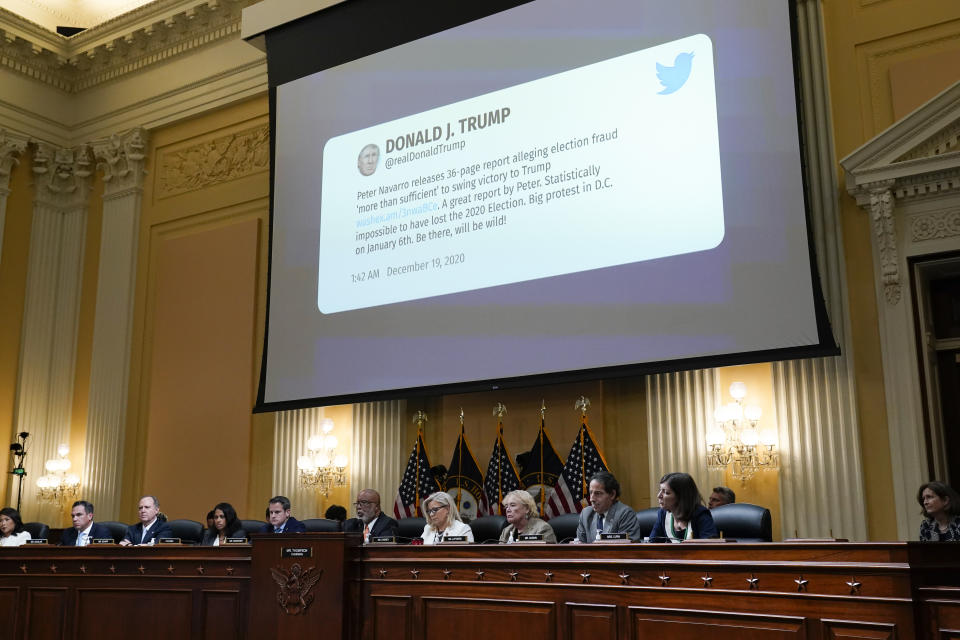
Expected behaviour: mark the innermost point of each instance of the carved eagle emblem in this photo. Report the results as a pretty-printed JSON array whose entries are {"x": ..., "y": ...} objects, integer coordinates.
[{"x": 295, "y": 586}]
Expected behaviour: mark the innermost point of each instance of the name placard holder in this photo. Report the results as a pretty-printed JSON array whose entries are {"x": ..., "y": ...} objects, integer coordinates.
[
  {"x": 382, "y": 540},
  {"x": 613, "y": 538},
  {"x": 36, "y": 541},
  {"x": 455, "y": 540},
  {"x": 102, "y": 541},
  {"x": 236, "y": 541},
  {"x": 530, "y": 538},
  {"x": 169, "y": 541},
  {"x": 296, "y": 552}
]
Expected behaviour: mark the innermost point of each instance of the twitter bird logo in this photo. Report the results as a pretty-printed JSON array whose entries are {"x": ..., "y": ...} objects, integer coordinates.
[{"x": 672, "y": 78}]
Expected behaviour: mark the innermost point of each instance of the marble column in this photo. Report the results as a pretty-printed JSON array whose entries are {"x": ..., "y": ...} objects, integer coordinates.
[
  {"x": 12, "y": 148},
  {"x": 51, "y": 310},
  {"x": 121, "y": 158}
]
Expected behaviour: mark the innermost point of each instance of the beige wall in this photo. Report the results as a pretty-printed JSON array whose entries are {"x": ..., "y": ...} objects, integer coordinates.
[
  {"x": 884, "y": 58},
  {"x": 191, "y": 439}
]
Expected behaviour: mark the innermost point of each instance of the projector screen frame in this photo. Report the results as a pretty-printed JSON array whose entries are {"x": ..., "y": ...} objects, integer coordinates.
[{"x": 438, "y": 16}]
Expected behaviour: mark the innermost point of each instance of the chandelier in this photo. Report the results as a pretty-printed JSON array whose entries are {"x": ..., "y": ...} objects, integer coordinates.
[
  {"x": 322, "y": 467},
  {"x": 57, "y": 486},
  {"x": 735, "y": 440}
]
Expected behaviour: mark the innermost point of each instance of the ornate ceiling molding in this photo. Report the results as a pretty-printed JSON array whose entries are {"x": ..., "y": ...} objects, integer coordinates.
[
  {"x": 152, "y": 34},
  {"x": 916, "y": 157}
]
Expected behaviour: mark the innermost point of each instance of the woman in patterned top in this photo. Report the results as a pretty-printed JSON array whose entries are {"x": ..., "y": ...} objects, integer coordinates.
[{"x": 941, "y": 513}]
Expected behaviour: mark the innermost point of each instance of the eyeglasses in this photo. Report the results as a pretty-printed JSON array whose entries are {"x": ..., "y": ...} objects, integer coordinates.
[
  {"x": 430, "y": 512},
  {"x": 363, "y": 503}
]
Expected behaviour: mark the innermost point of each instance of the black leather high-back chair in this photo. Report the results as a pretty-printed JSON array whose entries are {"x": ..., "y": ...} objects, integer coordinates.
[
  {"x": 252, "y": 526},
  {"x": 565, "y": 526},
  {"x": 647, "y": 518},
  {"x": 189, "y": 531},
  {"x": 486, "y": 529},
  {"x": 744, "y": 522},
  {"x": 37, "y": 529},
  {"x": 117, "y": 529},
  {"x": 410, "y": 528},
  {"x": 321, "y": 524}
]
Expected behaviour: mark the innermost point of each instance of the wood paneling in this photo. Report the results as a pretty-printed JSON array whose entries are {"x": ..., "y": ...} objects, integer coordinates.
[
  {"x": 679, "y": 624},
  {"x": 130, "y": 612},
  {"x": 222, "y": 617},
  {"x": 392, "y": 618},
  {"x": 591, "y": 621},
  {"x": 472, "y": 618},
  {"x": 849, "y": 629},
  {"x": 8, "y": 608},
  {"x": 46, "y": 612}
]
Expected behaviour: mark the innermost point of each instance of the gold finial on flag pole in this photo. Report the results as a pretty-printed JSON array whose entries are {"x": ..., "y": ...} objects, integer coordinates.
[
  {"x": 461, "y": 417},
  {"x": 499, "y": 410},
  {"x": 582, "y": 404},
  {"x": 419, "y": 418},
  {"x": 543, "y": 409}
]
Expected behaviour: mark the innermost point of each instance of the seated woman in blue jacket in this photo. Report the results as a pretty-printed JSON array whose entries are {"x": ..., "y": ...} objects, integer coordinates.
[{"x": 682, "y": 515}]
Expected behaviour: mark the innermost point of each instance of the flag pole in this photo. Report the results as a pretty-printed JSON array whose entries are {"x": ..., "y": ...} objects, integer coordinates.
[
  {"x": 499, "y": 410},
  {"x": 583, "y": 403},
  {"x": 460, "y": 460},
  {"x": 419, "y": 417},
  {"x": 543, "y": 491}
]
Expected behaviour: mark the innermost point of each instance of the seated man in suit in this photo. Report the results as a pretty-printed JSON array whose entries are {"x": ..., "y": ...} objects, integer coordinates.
[
  {"x": 370, "y": 520},
  {"x": 151, "y": 525},
  {"x": 278, "y": 513},
  {"x": 84, "y": 529},
  {"x": 606, "y": 514},
  {"x": 721, "y": 496}
]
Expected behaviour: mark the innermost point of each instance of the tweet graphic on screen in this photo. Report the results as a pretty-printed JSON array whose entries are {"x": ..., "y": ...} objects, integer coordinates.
[{"x": 608, "y": 164}]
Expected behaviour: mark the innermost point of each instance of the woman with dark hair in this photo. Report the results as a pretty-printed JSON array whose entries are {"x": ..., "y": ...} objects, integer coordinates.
[
  {"x": 941, "y": 513},
  {"x": 12, "y": 533},
  {"x": 225, "y": 525},
  {"x": 682, "y": 515}
]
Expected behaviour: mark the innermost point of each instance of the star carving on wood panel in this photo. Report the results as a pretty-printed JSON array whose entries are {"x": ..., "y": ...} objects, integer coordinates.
[
  {"x": 415, "y": 573},
  {"x": 854, "y": 585},
  {"x": 514, "y": 575},
  {"x": 446, "y": 574},
  {"x": 83, "y": 568},
  {"x": 382, "y": 573},
  {"x": 53, "y": 568},
  {"x": 664, "y": 579},
  {"x": 548, "y": 576},
  {"x": 200, "y": 569},
  {"x": 801, "y": 584},
  {"x": 707, "y": 580},
  {"x": 480, "y": 573},
  {"x": 624, "y": 577},
  {"x": 170, "y": 568},
  {"x": 585, "y": 577},
  {"x": 229, "y": 571},
  {"x": 113, "y": 569},
  {"x": 141, "y": 569},
  {"x": 23, "y": 568},
  {"x": 754, "y": 582}
]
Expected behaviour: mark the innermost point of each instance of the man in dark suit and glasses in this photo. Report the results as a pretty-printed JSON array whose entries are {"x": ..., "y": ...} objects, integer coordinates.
[
  {"x": 84, "y": 529},
  {"x": 370, "y": 519}
]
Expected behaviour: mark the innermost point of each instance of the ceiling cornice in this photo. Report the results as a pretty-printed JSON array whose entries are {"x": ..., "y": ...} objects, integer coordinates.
[{"x": 148, "y": 35}]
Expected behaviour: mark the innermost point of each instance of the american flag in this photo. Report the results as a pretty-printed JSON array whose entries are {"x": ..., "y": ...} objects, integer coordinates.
[
  {"x": 571, "y": 493},
  {"x": 502, "y": 476},
  {"x": 417, "y": 483}
]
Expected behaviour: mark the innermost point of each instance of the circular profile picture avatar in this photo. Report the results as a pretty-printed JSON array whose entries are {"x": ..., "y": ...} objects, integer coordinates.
[{"x": 368, "y": 159}]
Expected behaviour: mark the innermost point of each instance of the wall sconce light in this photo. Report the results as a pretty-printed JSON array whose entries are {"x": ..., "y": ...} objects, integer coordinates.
[
  {"x": 322, "y": 468},
  {"x": 57, "y": 486},
  {"x": 735, "y": 440}
]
